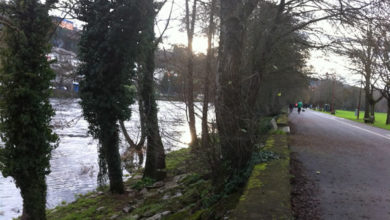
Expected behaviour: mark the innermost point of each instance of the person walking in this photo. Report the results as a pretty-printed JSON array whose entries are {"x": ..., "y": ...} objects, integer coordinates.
[
  {"x": 299, "y": 107},
  {"x": 291, "y": 107}
]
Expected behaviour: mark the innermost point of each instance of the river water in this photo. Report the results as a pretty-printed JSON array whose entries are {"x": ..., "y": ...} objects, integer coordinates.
[{"x": 74, "y": 165}]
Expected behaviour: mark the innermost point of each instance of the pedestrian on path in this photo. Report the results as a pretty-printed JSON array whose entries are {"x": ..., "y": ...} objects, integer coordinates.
[{"x": 299, "y": 107}]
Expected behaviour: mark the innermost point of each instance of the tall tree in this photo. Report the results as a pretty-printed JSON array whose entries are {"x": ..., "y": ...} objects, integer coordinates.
[
  {"x": 107, "y": 52},
  {"x": 155, "y": 155},
  {"x": 276, "y": 60},
  {"x": 362, "y": 51},
  {"x": 190, "y": 19},
  {"x": 383, "y": 44},
  {"x": 231, "y": 118},
  {"x": 209, "y": 70},
  {"x": 25, "y": 112},
  {"x": 238, "y": 88}
]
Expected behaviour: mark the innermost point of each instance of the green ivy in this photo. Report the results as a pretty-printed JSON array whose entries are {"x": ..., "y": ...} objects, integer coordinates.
[
  {"x": 25, "y": 110},
  {"x": 107, "y": 51}
]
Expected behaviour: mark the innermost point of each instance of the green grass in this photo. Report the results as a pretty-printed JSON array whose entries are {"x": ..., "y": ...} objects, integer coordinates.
[
  {"x": 175, "y": 160},
  {"x": 380, "y": 118},
  {"x": 86, "y": 207}
]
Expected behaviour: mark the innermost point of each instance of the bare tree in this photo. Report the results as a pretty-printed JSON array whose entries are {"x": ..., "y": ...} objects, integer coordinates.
[
  {"x": 361, "y": 48},
  {"x": 155, "y": 154},
  {"x": 190, "y": 18},
  {"x": 209, "y": 70},
  {"x": 237, "y": 88}
]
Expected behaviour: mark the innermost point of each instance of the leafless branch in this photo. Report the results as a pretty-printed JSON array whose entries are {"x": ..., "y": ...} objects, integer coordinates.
[{"x": 159, "y": 39}]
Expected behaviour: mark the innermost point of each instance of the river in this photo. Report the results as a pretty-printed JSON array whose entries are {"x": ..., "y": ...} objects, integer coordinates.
[{"x": 74, "y": 165}]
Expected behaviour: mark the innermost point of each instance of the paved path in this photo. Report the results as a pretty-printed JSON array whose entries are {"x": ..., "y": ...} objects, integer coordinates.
[{"x": 348, "y": 161}]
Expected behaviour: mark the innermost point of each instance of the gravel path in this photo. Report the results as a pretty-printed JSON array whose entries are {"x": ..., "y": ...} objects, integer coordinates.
[{"x": 345, "y": 167}]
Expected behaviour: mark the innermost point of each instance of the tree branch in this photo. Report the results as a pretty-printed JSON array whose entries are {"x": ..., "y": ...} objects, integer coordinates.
[{"x": 159, "y": 39}]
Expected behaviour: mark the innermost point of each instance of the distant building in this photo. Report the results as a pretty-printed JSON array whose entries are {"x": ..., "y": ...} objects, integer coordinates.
[
  {"x": 66, "y": 36},
  {"x": 67, "y": 24},
  {"x": 62, "y": 55},
  {"x": 65, "y": 69},
  {"x": 64, "y": 23}
]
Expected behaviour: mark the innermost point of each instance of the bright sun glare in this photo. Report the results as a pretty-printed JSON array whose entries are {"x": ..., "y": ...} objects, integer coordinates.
[{"x": 199, "y": 45}]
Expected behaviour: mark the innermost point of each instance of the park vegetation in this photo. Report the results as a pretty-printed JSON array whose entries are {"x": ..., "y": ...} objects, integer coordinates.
[{"x": 367, "y": 48}]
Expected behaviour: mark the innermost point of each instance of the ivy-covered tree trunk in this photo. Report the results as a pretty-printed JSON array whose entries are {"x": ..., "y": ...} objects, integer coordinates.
[
  {"x": 25, "y": 111},
  {"x": 110, "y": 144},
  {"x": 107, "y": 51},
  {"x": 33, "y": 192},
  {"x": 155, "y": 155}
]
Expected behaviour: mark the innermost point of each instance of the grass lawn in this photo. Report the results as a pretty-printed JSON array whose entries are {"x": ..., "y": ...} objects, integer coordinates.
[{"x": 380, "y": 118}]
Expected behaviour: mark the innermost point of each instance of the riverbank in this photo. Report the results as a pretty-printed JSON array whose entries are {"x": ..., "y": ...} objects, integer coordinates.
[
  {"x": 185, "y": 194},
  {"x": 189, "y": 192}
]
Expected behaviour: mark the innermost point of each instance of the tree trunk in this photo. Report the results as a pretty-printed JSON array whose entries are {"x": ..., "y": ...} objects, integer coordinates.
[
  {"x": 141, "y": 143},
  {"x": 190, "y": 25},
  {"x": 205, "y": 132},
  {"x": 367, "y": 103},
  {"x": 127, "y": 136},
  {"x": 155, "y": 155},
  {"x": 137, "y": 146},
  {"x": 372, "y": 109},
  {"x": 33, "y": 193},
  {"x": 232, "y": 117},
  {"x": 359, "y": 103},
  {"x": 110, "y": 145},
  {"x": 388, "y": 112}
]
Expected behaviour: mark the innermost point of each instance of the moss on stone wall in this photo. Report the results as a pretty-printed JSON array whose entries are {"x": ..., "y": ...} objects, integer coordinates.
[
  {"x": 267, "y": 193},
  {"x": 282, "y": 120}
]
